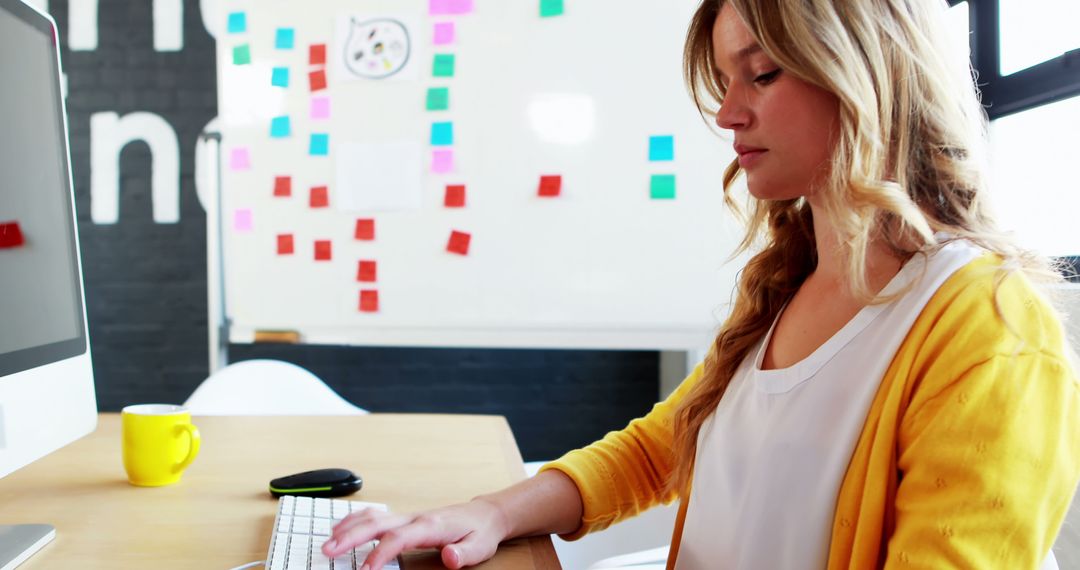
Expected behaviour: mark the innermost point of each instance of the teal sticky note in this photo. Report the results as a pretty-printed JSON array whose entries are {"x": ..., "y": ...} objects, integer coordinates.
[
  {"x": 442, "y": 134},
  {"x": 241, "y": 55},
  {"x": 438, "y": 99},
  {"x": 320, "y": 144},
  {"x": 662, "y": 187},
  {"x": 661, "y": 148},
  {"x": 285, "y": 38},
  {"x": 549, "y": 8},
  {"x": 237, "y": 22},
  {"x": 443, "y": 65},
  {"x": 280, "y": 77},
  {"x": 280, "y": 127}
]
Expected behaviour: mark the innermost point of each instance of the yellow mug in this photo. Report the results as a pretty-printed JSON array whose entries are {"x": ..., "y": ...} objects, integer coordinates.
[{"x": 159, "y": 442}]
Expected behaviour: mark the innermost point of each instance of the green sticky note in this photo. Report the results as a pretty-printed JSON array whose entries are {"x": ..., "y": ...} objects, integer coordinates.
[
  {"x": 662, "y": 187},
  {"x": 438, "y": 99},
  {"x": 241, "y": 55},
  {"x": 549, "y": 8},
  {"x": 443, "y": 65}
]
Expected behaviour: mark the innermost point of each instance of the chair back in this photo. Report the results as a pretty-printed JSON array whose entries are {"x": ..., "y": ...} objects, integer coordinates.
[{"x": 267, "y": 388}]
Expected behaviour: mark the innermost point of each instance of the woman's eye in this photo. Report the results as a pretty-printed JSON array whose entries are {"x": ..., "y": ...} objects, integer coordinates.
[{"x": 767, "y": 78}]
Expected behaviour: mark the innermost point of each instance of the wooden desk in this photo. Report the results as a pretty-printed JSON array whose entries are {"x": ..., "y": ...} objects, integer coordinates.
[{"x": 220, "y": 514}]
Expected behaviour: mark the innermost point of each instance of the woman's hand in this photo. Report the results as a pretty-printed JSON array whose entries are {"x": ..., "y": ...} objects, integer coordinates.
[{"x": 467, "y": 534}]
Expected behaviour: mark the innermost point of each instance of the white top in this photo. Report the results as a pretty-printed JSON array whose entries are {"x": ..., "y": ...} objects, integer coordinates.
[{"x": 771, "y": 458}]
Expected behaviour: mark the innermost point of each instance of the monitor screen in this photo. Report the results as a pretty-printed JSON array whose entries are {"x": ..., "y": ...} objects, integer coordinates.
[{"x": 41, "y": 313}]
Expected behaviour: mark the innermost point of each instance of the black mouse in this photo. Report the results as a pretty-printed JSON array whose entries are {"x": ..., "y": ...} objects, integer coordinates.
[{"x": 317, "y": 483}]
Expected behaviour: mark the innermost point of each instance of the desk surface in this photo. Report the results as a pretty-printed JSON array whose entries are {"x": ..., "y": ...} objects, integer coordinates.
[{"x": 220, "y": 514}]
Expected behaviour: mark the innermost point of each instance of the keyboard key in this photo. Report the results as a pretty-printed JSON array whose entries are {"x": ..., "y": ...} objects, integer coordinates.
[
  {"x": 322, "y": 508},
  {"x": 340, "y": 508},
  {"x": 301, "y": 525},
  {"x": 303, "y": 506},
  {"x": 320, "y": 527},
  {"x": 284, "y": 523},
  {"x": 361, "y": 505}
]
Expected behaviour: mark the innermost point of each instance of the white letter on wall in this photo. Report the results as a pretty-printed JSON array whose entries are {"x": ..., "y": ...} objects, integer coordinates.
[
  {"x": 168, "y": 25},
  {"x": 82, "y": 25},
  {"x": 210, "y": 16},
  {"x": 109, "y": 134},
  {"x": 42, "y": 5}
]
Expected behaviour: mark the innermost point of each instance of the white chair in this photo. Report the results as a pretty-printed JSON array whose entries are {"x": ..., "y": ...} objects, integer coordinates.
[{"x": 267, "y": 388}]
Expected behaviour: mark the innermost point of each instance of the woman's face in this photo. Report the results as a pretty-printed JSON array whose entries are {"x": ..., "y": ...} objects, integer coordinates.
[{"x": 784, "y": 128}]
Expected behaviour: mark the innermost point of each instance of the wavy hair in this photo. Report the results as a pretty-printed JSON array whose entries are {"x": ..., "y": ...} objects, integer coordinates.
[{"x": 908, "y": 163}]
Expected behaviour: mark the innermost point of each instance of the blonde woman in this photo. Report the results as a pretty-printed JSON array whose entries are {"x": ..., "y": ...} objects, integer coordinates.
[{"x": 891, "y": 390}]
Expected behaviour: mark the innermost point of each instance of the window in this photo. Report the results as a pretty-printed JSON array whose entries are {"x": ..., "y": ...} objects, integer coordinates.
[{"x": 1034, "y": 31}]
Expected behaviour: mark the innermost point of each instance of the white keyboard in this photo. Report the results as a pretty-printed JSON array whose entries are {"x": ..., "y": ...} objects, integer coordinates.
[{"x": 302, "y": 526}]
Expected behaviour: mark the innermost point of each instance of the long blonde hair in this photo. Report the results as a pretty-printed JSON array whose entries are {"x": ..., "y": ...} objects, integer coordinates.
[{"x": 908, "y": 162}]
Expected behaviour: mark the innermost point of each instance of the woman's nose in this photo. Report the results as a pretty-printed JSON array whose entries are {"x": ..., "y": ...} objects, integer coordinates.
[{"x": 733, "y": 113}]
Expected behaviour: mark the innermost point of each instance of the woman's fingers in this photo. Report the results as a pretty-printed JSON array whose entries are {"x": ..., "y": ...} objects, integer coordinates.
[
  {"x": 425, "y": 531},
  {"x": 359, "y": 528}
]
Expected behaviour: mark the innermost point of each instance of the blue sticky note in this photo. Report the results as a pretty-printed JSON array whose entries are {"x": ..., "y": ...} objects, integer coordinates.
[
  {"x": 280, "y": 77},
  {"x": 285, "y": 38},
  {"x": 280, "y": 127},
  {"x": 442, "y": 134},
  {"x": 320, "y": 144},
  {"x": 237, "y": 22},
  {"x": 662, "y": 148}
]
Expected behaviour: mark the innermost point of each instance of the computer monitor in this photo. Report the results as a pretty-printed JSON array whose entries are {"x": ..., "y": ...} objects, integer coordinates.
[{"x": 46, "y": 380}]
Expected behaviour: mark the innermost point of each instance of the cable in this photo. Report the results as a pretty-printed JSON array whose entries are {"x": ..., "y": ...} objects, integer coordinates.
[{"x": 249, "y": 565}]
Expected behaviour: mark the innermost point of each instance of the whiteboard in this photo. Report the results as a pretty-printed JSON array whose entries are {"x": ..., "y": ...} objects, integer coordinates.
[{"x": 602, "y": 265}]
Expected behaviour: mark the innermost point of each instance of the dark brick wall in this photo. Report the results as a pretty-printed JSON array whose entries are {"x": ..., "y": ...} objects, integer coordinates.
[{"x": 146, "y": 282}]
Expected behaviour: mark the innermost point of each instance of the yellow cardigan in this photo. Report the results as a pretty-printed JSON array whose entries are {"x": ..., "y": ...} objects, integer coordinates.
[{"x": 969, "y": 456}]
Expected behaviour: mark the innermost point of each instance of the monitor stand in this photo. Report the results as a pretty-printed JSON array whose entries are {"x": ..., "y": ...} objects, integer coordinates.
[{"x": 19, "y": 542}]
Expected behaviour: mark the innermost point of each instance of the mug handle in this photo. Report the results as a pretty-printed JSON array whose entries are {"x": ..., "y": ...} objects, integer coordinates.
[{"x": 196, "y": 440}]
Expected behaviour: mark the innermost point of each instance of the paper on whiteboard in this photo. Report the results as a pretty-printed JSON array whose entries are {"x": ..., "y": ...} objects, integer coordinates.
[
  {"x": 376, "y": 48},
  {"x": 248, "y": 98},
  {"x": 383, "y": 177}
]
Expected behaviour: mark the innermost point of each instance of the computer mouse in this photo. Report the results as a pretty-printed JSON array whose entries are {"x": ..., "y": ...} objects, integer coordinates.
[{"x": 318, "y": 483}]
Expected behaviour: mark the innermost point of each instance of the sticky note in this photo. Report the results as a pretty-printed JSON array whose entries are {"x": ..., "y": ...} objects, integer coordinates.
[
  {"x": 282, "y": 186},
  {"x": 449, "y": 7},
  {"x": 320, "y": 107},
  {"x": 442, "y": 161},
  {"x": 323, "y": 250},
  {"x": 365, "y": 229},
  {"x": 443, "y": 65},
  {"x": 237, "y": 22},
  {"x": 549, "y": 8},
  {"x": 369, "y": 301},
  {"x": 11, "y": 235},
  {"x": 444, "y": 33},
  {"x": 455, "y": 196},
  {"x": 320, "y": 144},
  {"x": 661, "y": 148},
  {"x": 438, "y": 99},
  {"x": 241, "y": 54},
  {"x": 242, "y": 220},
  {"x": 550, "y": 186},
  {"x": 317, "y": 80},
  {"x": 280, "y": 77},
  {"x": 317, "y": 54},
  {"x": 662, "y": 187},
  {"x": 240, "y": 158},
  {"x": 442, "y": 134},
  {"x": 320, "y": 197},
  {"x": 458, "y": 243},
  {"x": 284, "y": 38},
  {"x": 280, "y": 127},
  {"x": 365, "y": 271},
  {"x": 285, "y": 244}
]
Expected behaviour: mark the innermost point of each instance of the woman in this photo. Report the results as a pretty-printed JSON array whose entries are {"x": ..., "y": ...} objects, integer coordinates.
[{"x": 890, "y": 389}]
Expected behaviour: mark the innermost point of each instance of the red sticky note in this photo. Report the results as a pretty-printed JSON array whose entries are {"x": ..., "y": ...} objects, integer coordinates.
[
  {"x": 283, "y": 186},
  {"x": 322, "y": 250},
  {"x": 320, "y": 198},
  {"x": 369, "y": 301},
  {"x": 317, "y": 54},
  {"x": 317, "y": 79},
  {"x": 10, "y": 235},
  {"x": 550, "y": 186},
  {"x": 459, "y": 243},
  {"x": 366, "y": 271},
  {"x": 365, "y": 229},
  {"x": 455, "y": 196},
  {"x": 285, "y": 244}
]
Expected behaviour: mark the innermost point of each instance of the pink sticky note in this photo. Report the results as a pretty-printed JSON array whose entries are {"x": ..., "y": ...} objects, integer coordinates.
[
  {"x": 320, "y": 108},
  {"x": 444, "y": 33},
  {"x": 240, "y": 159},
  {"x": 442, "y": 161},
  {"x": 242, "y": 220},
  {"x": 443, "y": 7}
]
